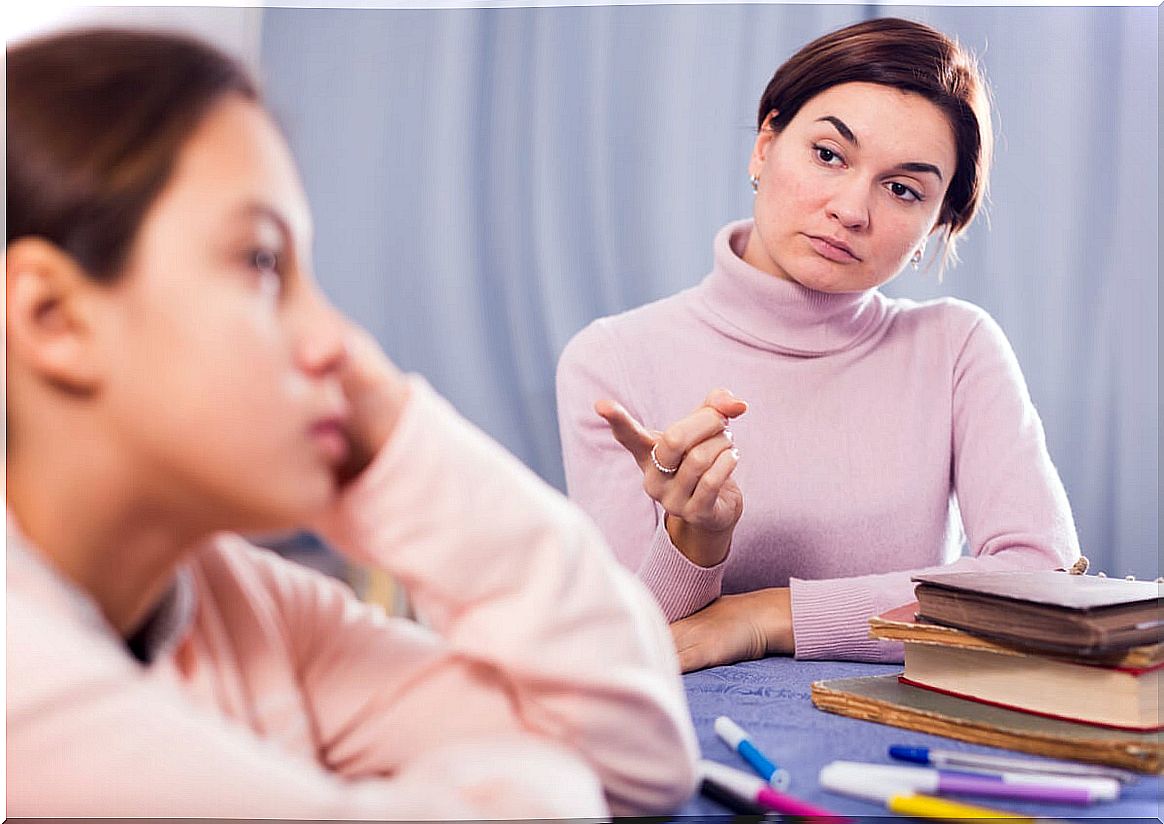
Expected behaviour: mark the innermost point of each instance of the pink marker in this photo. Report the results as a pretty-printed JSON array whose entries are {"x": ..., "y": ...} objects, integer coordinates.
[{"x": 757, "y": 790}]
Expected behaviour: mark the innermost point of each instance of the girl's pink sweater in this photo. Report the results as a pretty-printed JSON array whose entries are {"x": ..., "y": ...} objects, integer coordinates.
[{"x": 544, "y": 685}]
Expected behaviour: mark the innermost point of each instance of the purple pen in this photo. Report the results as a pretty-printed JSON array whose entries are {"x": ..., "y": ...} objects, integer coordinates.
[{"x": 926, "y": 780}]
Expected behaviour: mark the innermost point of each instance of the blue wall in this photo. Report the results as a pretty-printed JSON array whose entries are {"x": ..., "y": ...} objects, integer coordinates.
[{"x": 486, "y": 182}]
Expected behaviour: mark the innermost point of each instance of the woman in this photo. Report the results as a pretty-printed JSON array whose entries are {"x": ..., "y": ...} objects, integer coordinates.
[
  {"x": 176, "y": 377},
  {"x": 876, "y": 429}
]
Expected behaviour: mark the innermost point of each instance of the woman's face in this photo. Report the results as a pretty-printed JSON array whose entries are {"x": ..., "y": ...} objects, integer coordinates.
[
  {"x": 851, "y": 187},
  {"x": 222, "y": 380}
]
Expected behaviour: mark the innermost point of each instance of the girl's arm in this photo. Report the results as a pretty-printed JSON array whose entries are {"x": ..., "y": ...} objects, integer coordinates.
[{"x": 533, "y": 628}]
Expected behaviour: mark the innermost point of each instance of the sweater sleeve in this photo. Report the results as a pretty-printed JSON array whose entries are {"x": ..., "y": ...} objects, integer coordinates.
[
  {"x": 1013, "y": 505},
  {"x": 605, "y": 481},
  {"x": 532, "y": 628}
]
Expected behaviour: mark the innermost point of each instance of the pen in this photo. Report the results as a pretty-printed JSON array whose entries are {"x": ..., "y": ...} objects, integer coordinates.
[
  {"x": 927, "y": 780},
  {"x": 972, "y": 762},
  {"x": 750, "y": 788},
  {"x": 734, "y": 736},
  {"x": 902, "y": 800},
  {"x": 733, "y": 802}
]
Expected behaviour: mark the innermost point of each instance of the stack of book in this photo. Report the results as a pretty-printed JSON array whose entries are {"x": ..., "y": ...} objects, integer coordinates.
[{"x": 1046, "y": 662}]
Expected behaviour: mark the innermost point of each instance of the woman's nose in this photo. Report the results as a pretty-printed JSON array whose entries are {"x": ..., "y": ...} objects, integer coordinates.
[{"x": 849, "y": 205}]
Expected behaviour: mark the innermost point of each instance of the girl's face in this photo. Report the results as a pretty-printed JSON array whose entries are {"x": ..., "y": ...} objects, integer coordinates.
[
  {"x": 222, "y": 357},
  {"x": 851, "y": 187}
]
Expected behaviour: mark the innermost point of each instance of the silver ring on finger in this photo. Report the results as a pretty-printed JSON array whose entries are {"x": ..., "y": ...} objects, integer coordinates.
[{"x": 666, "y": 470}]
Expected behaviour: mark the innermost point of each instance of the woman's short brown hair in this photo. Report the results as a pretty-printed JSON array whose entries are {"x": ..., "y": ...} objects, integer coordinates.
[
  {"x": 912, "y": 57},
  {"x": 96, "y": 119}
]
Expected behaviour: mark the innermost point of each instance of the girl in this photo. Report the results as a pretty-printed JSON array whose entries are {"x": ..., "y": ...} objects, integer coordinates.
[{"x": 176, "y": 377}]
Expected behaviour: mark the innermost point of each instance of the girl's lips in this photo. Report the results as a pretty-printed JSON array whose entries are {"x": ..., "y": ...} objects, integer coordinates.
[
  {"x": 831, "y": 251},
  {"x": 332, "y": 439}
]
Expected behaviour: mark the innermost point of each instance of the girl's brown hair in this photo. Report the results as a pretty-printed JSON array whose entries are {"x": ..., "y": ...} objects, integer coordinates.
[
  {"x": 96, "y": 119},
  {"x": 914, "y": 58}
]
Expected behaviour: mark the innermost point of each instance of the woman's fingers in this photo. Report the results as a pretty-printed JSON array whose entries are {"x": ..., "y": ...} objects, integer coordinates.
[
  {"x": 675, "y": 460},
  {"x": 632, "y": 435},
  {"x": 698, "y": 460},
  {"x": 706, "y": 494},
  {"x": 726, "y": 403},
  {"x": 685, "y": 434}
]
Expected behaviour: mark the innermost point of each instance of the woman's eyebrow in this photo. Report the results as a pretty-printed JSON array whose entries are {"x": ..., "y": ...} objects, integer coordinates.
[
  {"x": 840, "y": 126},
  {"x": 920, "y": 167}
]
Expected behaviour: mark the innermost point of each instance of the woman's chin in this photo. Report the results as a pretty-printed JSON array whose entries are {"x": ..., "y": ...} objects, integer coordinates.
[{"x": 832, "y": 280}]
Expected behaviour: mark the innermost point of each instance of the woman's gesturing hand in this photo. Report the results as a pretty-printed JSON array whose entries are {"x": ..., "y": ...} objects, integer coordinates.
[
  {"x": 688, "y": 469},
  {"x": 735, "y": 628}
]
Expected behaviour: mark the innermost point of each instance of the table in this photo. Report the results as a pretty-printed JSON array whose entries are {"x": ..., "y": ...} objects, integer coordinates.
[{"x": 770, "y": 699}]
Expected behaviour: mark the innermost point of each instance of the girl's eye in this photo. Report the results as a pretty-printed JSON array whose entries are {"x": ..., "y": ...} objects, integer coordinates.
[
  {"x": 903, "y": 192},
  {"x": 826, "y": 155},
  {"x": 264, "y": 260},
  {"x": 265, "y": 263}
]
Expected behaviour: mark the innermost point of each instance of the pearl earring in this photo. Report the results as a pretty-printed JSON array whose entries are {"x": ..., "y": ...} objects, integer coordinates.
[
  {"x": 916, "y": 260},
  {"x": 755, "y": 181}
]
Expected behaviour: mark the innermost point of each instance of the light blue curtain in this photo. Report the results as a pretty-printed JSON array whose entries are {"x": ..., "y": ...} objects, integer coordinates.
[{"x": 487, "y": 181}]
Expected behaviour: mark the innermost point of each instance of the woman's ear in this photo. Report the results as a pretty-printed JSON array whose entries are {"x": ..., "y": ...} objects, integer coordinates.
[
  {"x": 49, "y": 315},
  {"x": 760, "y": 148}
]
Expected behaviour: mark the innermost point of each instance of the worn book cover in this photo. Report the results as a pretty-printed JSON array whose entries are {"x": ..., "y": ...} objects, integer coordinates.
[
  {"x": 901, "y": 624},
  {"x": 1084, "y": 615},
  {"x": 884, "y": 699}
]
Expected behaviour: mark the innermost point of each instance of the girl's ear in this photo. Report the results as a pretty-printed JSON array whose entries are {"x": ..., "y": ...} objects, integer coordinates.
[{"x": 50, "y": 313}]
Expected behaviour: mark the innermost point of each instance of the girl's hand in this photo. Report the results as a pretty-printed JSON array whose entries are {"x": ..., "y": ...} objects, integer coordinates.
[
  {"x": 735, "y": 628},
  {"x": 376, "y": 392},
  {"x": 702, "y": 501}
]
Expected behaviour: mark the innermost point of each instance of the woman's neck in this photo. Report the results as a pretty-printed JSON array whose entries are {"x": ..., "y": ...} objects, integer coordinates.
[{"x": 82, "y": 514}]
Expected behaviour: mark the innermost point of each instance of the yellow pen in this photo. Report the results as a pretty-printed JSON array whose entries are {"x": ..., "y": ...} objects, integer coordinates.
[
  {"x": 904, "y": 801},
  {"x": 926, "y": 806}
]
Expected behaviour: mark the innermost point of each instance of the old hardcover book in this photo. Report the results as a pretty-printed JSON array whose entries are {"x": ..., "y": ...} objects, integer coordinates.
[
  {"x": 1121, "y": 691},
  {"x": 1082, "y": 615},
  {"x": 902, "y": 624},
  {"x": 884, "y": 699},
  {"x": 1118, "y": 697}
]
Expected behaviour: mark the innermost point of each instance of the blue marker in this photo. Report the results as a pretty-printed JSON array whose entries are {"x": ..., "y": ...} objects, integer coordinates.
[{"x": 734, "y": 736}]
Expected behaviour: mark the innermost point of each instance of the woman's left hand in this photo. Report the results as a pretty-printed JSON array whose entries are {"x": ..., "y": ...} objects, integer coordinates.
[
  {"x": 735, "y": 628},
  {"x": 376, "y": 391}
]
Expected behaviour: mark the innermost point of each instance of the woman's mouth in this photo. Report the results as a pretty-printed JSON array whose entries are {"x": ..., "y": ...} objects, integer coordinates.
[{"x": 835, "y": 250}]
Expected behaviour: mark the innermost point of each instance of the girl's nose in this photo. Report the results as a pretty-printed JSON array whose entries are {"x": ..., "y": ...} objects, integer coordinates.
[{"x": 321, "y": 346}]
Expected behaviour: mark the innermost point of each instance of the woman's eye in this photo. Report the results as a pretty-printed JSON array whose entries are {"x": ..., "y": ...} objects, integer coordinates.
[
  {"x": 826, "y": 155},
  {"x": 903, "y": 192}
]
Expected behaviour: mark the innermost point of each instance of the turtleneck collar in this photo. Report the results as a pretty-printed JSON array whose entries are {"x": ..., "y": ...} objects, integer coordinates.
[{"x": 763, "y": 310}]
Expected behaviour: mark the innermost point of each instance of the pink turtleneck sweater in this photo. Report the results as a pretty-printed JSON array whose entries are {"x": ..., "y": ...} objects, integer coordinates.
[
  {"x": 544, "y": 685},
  {"x": 879, "y": 431}
]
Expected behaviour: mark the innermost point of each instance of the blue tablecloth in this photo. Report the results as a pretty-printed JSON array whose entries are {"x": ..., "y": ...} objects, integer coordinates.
[{"x": 770, "y": 699}]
